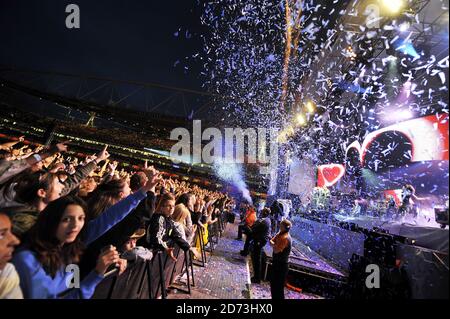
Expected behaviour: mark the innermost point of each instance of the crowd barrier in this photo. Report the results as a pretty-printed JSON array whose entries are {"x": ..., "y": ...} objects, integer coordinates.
[{"x": 150, "y": 279}]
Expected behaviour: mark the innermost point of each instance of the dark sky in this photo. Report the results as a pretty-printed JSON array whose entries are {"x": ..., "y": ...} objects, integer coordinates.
[{"x": 125, "y": 40}]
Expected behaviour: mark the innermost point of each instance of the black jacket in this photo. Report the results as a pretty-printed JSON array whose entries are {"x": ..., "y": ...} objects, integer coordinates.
[
  {"x": 162, "y": 233},
  {"x": 276, "y": 209},
  {"x": 261, "y": 230}
]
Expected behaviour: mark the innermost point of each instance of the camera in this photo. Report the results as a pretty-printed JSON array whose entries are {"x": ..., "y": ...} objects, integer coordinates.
[
  {"x": 113, "y": 268},
  {"x": 441, "y": 216}
]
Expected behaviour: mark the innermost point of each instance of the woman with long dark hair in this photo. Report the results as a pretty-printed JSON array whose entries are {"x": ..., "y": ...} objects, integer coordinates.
[
  {"x": 57, "y": 241},
  {"x": 106, "y": 195},
  {"x": 34, "y": 192}
]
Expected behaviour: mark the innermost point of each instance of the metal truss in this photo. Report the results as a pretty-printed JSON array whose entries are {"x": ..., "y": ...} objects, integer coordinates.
[{"x": 98, "y": 94}]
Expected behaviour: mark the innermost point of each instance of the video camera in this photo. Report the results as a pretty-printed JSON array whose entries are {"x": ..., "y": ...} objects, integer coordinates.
[{"x": 441, "y": 216}]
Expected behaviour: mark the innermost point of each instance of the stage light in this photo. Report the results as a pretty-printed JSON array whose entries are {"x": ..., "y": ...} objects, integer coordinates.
[
  {"x": 301, "y": 119},
  {"x": 350, "y": 53},
  {"x": 310, "y": 107},
  {"x": 398, "y": 116},
  {"x": 393, "y": 6},
  {"x": 405, "y": 114}
]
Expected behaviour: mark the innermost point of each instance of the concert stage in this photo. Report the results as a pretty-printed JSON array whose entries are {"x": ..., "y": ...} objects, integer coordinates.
[
  {"x": 310, "y": 271},
  {"x": 424, "y": 233},
  {"x": 338, "y": 241}
]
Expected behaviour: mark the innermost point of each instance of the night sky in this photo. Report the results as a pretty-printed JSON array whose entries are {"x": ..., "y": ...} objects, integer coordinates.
[{"x": 125, "y": 40}]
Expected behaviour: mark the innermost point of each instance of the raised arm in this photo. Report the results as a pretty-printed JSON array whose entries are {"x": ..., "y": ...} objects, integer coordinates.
[
  {"x": 83, "y": 171},
  {"x": 10, "y": 169},
  {"x": 112, "y": 216},
  {"x": 117, "y": 212},
  {"x": 74, "y": 180},
  {"x": 6, "y": 146}
]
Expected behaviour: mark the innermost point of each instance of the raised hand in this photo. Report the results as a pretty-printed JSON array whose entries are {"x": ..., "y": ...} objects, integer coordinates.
[
  {"x": 38, "y": 148},
  {"x": 61, "y": 147},
  {"x": 112, "y": 166},
  {"x": 103, "y": 154},
  {"x": 90, "y": 158},
  {"x": 154, "y": 177}
]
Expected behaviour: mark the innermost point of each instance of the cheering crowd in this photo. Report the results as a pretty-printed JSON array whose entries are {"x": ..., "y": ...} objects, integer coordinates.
[{"x": 57, "y": 211}]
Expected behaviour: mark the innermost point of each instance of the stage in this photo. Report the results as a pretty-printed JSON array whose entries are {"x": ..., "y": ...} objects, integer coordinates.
[
  {"x": 425, "y": 232},
  {"x": 304, "y": 258},
  {"x": 422, "y": 251},
  {"x": 310, "y": 271}
]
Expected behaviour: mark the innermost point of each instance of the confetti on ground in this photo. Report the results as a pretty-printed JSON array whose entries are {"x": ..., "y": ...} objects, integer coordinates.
[{"x": 225, "y": 275}]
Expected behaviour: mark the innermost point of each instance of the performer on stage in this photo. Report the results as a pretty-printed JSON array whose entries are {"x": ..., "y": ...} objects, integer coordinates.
[
  {"x": 281, "y": 244},
  {"x": 360, "y": 207},
  {"x": 391, "y": 206},
  {"x": 408, "y": 193}
]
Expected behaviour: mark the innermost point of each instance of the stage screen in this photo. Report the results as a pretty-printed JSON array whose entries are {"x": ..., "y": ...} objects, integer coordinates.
[{"x": 413, "y": 152}]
